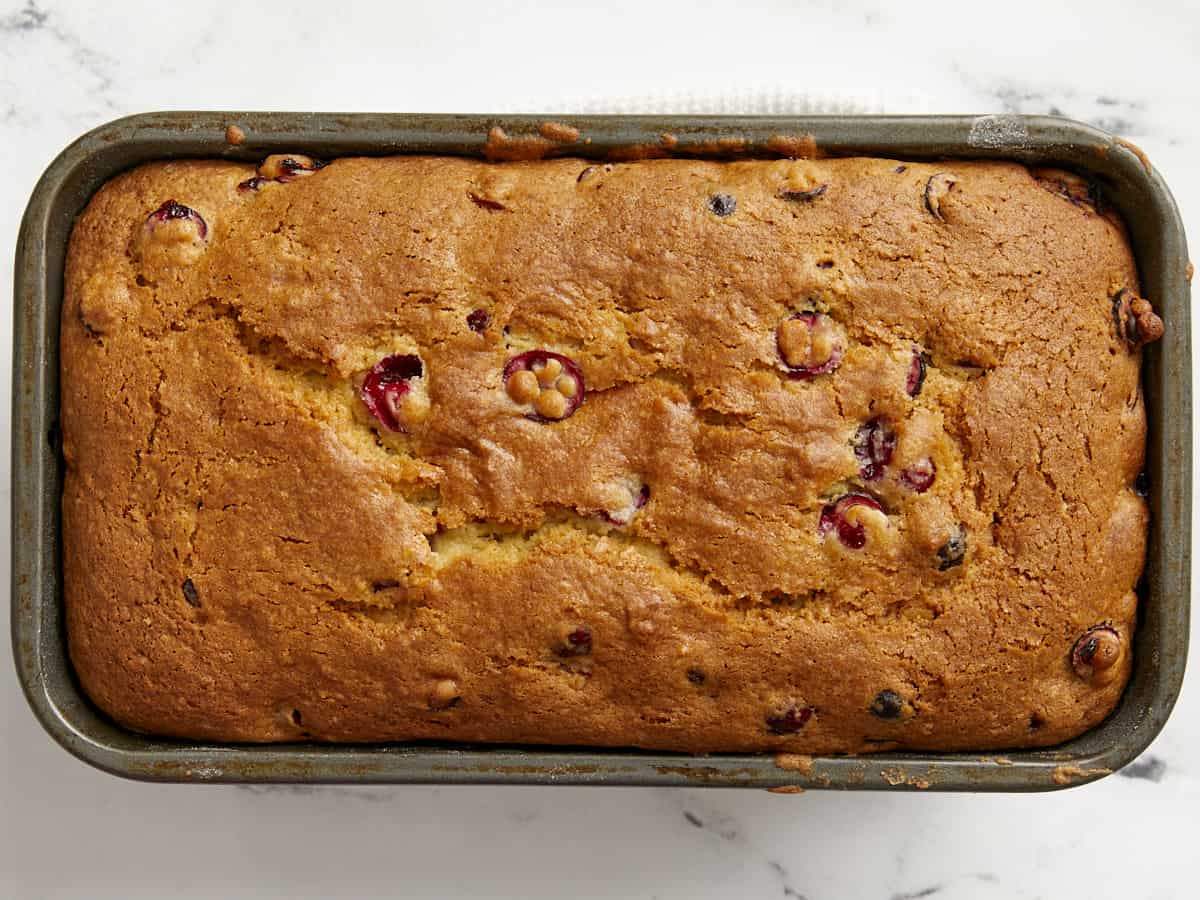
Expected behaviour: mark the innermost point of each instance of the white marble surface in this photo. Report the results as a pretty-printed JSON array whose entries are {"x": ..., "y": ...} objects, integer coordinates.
[{"x": 68, "y": 831}]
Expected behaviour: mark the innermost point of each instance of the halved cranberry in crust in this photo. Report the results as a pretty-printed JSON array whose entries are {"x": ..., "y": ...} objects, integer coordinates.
[
  {"x": 1080, "y": 191},
  {"x": 385, "y": 387},
  {"x": 873, "y": 447},
  {"x": 547, "y": 386},
  {"x": 172, "y": 235},
  {"x": 790, "y": 719},
  {"x": 844, "y": 518},
  {"x": 919, "y": 476},
  {"x": 1096, "y": 652},
  {"x": 252, "y": 184},
  {"x": 288, "y": 166},
  {"x": 172, "y": 211},
  {"x": 624, "y": 514},
  {"x": 809, "y": 344},
  {"x": 936, "y": 189},
  {"x": 577, "y": 642},
  {"x": 916, "y": 374}
]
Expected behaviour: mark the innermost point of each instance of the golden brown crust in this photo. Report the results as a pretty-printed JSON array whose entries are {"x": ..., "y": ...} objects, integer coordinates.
[{"x": 485, "y": 576}]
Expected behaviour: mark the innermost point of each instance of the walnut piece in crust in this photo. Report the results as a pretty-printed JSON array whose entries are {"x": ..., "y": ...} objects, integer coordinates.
[
  {"x": 288, "y": 166},
  {"x": 172, "y": 234}
]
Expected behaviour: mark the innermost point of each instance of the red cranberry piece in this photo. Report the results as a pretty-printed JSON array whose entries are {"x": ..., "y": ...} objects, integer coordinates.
[
  {"x": 171, "y": 210},
  {"x": 919, "y": 476},
  {"x": 722, "y": 204},
  {"x": 385, "y": 387},
  {"x": 548, "y": 386},
  {"x": 809, "y": 344},
  {"x": 1096, "y": 652},
  {"x": 173, "y": 234},
  {"x": 873, "y": 447},
  {"x": 478, "y": 320},
  {"x": 577, "y": 642},
  {"x": 251, "y": 184},
  {"x": 288, "y": 167},
  {"x": 790, "y": 719},
  {"x": 916, "y": 374},
  {"x": 838, "y": 517}
]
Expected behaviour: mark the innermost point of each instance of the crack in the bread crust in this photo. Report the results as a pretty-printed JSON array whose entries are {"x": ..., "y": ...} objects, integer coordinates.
[
  {"x": 486, "y": 533},
  {"x": 387, "y": 612},
  {"x": 510, "y": 543},
  {"x": 426, "y": 493}
]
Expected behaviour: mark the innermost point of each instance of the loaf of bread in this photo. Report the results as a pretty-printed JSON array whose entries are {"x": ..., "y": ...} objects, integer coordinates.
[{"x": 818, "y": 456}]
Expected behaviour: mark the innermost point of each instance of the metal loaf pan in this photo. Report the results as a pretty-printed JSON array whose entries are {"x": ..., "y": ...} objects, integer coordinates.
[{"x": 1128, "y": 182}]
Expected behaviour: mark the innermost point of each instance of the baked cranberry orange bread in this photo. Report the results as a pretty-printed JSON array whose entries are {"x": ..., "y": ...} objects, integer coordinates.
[{"x": 821, "y": 456}]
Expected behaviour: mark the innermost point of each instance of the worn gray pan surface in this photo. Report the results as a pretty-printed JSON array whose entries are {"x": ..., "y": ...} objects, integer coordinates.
[{"x": 1128, "y": 182}]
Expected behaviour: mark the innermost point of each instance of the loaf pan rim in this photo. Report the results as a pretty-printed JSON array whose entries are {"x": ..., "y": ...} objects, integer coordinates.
[{"x": 38, "y": 643}]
